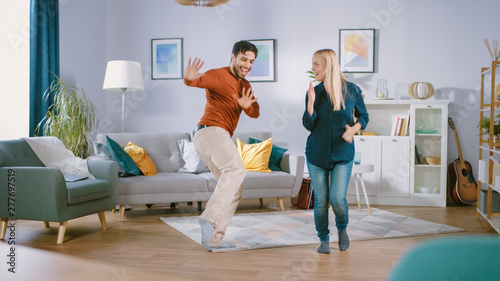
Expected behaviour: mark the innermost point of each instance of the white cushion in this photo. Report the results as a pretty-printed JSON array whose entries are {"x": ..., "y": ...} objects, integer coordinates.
[{"x": 194, "y": 164}]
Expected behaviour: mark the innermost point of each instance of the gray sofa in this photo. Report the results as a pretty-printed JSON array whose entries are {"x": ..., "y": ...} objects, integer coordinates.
[{"x": 172, "y": 186}]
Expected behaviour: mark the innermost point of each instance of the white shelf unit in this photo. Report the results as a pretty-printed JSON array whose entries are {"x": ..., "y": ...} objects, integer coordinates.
[
  {"x": 488, "y": 150},
  {"x": 397, "y": 178}
]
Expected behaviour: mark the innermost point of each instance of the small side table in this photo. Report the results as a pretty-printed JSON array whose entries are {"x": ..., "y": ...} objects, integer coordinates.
[{"x": 358, "y": 170}]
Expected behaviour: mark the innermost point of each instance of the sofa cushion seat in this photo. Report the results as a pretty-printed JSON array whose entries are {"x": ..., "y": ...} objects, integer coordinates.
[
  {"x": 259, "y": 180},
  {"x": 162, "y": 183},
  {"x": 87, "y": 190},
  {"x": 275, "y": 179}
]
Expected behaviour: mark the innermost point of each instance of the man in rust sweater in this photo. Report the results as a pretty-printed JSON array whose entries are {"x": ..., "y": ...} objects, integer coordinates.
[{"x": 227, "y": 93}]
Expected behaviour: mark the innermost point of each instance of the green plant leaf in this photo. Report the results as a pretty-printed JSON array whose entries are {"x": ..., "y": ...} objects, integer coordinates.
[
  {"x": 484, "y": 124},
  {"x": 311, "y": 75},
  {"x": 71, "y": 118}
]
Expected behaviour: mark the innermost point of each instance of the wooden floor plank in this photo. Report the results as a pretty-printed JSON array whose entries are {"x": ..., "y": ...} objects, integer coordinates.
[{"x": 143, "y": 244}]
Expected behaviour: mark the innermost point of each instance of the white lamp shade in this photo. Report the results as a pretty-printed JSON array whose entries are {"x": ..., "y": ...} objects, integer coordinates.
[{"x": 122, "y": 74}]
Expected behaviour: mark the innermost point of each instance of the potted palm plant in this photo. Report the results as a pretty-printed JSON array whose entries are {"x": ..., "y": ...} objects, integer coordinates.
[
  {"x": 71, "y": 118},
  {"x": 484, "y": 126}
]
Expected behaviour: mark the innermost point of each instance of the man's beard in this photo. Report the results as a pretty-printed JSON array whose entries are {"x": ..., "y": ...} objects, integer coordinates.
[{"x": 237, "y": 73}]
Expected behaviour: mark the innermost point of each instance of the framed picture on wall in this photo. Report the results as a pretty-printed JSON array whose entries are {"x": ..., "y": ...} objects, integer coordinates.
[
  {"x": 264, "y": 67},
  {"x": 357, "y": 50},
  {"x": 166, "y": 58}
]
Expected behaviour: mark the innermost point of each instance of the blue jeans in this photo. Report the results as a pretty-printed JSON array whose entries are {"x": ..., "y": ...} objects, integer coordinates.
[{"x": 330, "y": 186}]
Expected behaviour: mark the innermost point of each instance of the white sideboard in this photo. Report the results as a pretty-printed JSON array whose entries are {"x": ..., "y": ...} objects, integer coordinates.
[{"x": 399, "y": 177}]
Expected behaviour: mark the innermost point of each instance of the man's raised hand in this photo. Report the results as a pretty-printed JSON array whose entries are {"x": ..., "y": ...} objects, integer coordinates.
[
  {"x": 247, "y": 99},
  {"x": 192, "y": 69}
]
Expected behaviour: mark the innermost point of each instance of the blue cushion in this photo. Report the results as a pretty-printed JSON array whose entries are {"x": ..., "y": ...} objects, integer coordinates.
[
  {"x": 276, "y": 155},
  {"x": 121, "y": 157}
]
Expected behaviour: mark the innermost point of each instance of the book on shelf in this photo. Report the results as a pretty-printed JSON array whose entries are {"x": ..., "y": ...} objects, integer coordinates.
[
  {"x": 398, "y": 126},
  {"x": 394, "y": 128},
  {"x": 407, "y": 125},
  {"x": 418, "y": 157},
  {"x": 402, "y": 130},
  {"x": 401, "y": 125}
]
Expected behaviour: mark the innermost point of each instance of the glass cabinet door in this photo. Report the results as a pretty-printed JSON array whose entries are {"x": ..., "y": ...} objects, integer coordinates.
[{"x": 429, "y": 155}]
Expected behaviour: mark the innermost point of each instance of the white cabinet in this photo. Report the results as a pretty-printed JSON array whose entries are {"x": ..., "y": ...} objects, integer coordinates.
[
  {"x": 370, "y": 153},
  {"x": 395, "y": 166},
  {"x": 390, "y": 157},
  {"x": 398, "y": 178}
]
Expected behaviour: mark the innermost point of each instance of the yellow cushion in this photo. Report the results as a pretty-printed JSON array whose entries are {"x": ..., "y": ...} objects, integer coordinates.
[
  {"x": 141, "y": 159},
  {"x": 256, "y": 156}
]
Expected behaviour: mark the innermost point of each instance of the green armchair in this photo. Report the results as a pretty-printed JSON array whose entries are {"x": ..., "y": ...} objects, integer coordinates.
[{"x": 31, "y": 191}]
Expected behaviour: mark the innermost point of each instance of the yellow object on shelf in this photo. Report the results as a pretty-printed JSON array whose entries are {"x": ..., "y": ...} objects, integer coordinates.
[
  {"x": 369, "y": 134},
  {"x": 433, "y": 160}
]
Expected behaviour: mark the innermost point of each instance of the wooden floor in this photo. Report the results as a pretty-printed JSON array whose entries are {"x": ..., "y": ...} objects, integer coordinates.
[{"x": 142, "y": 246}]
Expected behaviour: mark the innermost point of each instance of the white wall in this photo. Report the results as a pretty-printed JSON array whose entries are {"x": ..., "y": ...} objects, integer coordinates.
[
  {"x": 14, "y": 69},
  {"x": 439, "y": 41},
  {"x": 82, "y": 48}
]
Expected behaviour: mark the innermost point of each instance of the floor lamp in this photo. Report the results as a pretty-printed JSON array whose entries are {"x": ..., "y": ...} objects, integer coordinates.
[{"x": 122, "y": 75}]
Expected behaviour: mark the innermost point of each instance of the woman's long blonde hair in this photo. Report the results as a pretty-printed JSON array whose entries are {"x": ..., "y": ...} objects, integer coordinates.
[{"x": 334, "y": 80}]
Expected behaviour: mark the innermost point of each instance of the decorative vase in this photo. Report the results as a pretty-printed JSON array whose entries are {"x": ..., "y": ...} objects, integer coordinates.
[
  {"x": 382, "y": 89},
  {"x": 496, "y": 140},
  {"x": 420, "y": 90}
]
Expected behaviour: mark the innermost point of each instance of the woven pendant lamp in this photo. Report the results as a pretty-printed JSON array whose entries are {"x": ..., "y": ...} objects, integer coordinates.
[{"x": 202, "y": 3}]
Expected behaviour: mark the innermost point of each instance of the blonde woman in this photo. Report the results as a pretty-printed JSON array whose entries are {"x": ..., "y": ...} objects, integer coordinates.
[{"x": 330, "y": 147}]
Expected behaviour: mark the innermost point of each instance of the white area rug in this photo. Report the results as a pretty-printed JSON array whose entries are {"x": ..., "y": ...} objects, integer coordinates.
[{"x": 289, "y": 228}]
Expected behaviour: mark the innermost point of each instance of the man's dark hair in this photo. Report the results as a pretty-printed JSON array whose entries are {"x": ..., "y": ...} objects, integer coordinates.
[{"x": 243, "y": 47}]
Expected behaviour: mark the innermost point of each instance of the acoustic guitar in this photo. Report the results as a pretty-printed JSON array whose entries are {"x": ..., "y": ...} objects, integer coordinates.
[{"x": 462, "y": 185}]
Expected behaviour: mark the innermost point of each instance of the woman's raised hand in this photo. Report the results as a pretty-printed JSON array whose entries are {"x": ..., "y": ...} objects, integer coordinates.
[{"x": 311, "y": 98}]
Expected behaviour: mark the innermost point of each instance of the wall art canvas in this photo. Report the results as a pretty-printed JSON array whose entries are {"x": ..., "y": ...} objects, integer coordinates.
[
  {"x": 166, "y": 58},
  {"x": 263, "y": 69},
  {"x": 357, "y": 50}
]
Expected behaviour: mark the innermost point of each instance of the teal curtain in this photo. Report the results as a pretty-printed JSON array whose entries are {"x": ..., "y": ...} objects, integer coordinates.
[{"x": 44, "y": 56}]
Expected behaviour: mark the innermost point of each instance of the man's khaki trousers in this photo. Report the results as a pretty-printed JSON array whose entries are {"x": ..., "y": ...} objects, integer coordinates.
[{"x": 219, "y": 152}]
